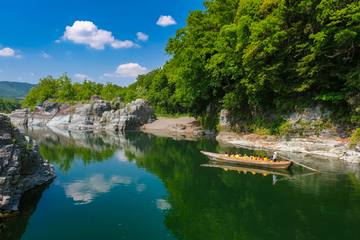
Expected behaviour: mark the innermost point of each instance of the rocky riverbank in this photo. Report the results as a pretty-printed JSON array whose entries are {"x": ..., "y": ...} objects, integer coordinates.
[
  {"x": 306, "y": 134},
  {"x": 21, "y": 167},
  {"x": 310, "y": 134},
  {"x": 94, "y": 115},
  {"x": 312, "y": 146}
]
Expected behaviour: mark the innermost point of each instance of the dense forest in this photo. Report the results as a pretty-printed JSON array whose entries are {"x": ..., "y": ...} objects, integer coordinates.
[{"x": 259, "y": 59}]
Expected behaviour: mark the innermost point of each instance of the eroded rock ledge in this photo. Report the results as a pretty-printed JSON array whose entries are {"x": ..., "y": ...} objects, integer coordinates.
[
  {"x": 95, "y": 115},
  {"x": 309, "y": 134},
  {"x": 320, "y": 147},
  {"x": 21, "y": 167}
]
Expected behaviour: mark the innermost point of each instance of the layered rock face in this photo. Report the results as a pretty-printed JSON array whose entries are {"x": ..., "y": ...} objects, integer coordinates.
[
  {"x": 96, "y": 115},
  {"x": 21, "y": 167},
  {"x": 309, "y": 133}
]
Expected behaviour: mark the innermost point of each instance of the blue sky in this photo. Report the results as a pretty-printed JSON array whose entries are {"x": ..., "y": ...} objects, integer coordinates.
[{"x": 106, "y": 41}]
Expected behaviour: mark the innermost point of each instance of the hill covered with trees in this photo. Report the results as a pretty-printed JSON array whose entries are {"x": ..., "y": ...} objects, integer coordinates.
[{"x": 14, "y": 89}]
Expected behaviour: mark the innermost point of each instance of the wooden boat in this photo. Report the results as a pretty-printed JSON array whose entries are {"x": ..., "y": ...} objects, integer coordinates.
[
  {"x": 252, "y": 170},
  {"x": 246, "y": 161}
]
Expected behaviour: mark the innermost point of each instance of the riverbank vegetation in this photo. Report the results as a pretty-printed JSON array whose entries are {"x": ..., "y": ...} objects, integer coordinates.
[
  {"x": 355, "y": 138},
  {"x": 62, "y": 89},
  {"x": 8, "y": 105},
  {"x": 259, "y": 59}
]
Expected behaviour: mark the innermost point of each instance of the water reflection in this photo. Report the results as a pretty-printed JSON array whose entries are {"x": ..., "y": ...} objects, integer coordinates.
[
  {"x": 163, "y": 204},
  {"x": 84, "y": 191},
  {"x": 205, "y": 203},
  {"x": 13, "y": 227},
  {"x": 140, "y": 187}
]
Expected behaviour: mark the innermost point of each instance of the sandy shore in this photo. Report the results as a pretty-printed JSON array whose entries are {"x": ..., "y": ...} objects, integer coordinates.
[{"x": 183, "y": 127}]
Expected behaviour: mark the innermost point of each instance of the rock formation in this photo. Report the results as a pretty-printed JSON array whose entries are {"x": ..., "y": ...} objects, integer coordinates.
[
  {"x": 309, "y": 133},
  {"x": 95, "y": 115},
  {"x": 21, "y": 167}
]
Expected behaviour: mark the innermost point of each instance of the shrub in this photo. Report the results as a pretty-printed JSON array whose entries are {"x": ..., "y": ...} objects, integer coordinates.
[
  {"x": 262, "y": 131},
  {"x": 355, "y": 138},
  {"x": 285, "y": 129}
]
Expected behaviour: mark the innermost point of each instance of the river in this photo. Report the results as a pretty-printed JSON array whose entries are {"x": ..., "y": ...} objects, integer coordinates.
[{"x": 140, "y": 186}]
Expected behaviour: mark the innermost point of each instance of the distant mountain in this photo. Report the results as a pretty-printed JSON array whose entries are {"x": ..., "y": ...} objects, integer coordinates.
[{"x": 14, "y": 89}]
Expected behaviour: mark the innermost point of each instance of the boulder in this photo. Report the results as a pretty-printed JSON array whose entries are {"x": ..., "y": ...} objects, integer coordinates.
[
  {"x": 131, "y": 117},
  {"x": 40, "y": 118},
  {"x": 21, "y": 167},
  {"x": 135, "y": 114},
  {"x": 81, "y": 117},
  {"x": 20, "y": 117},
  {"x": 96, "y": 114}
]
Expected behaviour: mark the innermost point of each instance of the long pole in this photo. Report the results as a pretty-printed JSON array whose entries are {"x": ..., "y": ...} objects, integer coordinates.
[{"x": 312, "y": 169}]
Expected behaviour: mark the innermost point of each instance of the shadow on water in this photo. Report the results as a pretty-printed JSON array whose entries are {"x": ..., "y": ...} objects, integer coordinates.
[
  {"x": 210, "y": 203},
  {"x": 13, "y": 227}
]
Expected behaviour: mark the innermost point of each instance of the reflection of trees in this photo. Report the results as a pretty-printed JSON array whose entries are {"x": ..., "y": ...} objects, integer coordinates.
[
  {"x": 63, "y": 148},
  {"x": 12, "y": 228},
  {"x": 214, "y": 204},
  {"x": 208, "y": 203},
  {"x": 64, "y": 155}
]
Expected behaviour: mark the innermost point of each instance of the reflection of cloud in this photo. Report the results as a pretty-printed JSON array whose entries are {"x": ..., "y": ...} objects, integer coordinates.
[
  {"x": 162, "y": 204},
  {"x": 84, "y": 191},
  {"x": 140, "y": 187}
]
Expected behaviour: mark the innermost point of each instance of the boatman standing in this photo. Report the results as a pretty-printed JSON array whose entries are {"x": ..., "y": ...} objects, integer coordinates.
[
  {"x": 274, "y": 178},
  {"x": 274, "y": 157}
]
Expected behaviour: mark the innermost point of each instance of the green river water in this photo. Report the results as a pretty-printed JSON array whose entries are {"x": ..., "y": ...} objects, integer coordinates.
[{"x": 140, "y": 186}]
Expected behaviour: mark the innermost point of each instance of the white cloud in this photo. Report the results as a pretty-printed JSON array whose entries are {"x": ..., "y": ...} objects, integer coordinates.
[
  {"x": 142, "y": 36},
  {"x": 86, "y": 32},
  {"x": 81, "y": 77},
  {"x": 124, "y": 44},
  {"x": 130, "y": 70},
  {"x": 85, "y": 191},
  {"x": 45, "y": 55},
  {"x": 165, "y": 21},
  {"x": 7, "y": 52}
]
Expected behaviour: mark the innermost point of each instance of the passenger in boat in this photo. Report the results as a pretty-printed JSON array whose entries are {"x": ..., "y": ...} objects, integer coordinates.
[{"x": 274, "y": 157}]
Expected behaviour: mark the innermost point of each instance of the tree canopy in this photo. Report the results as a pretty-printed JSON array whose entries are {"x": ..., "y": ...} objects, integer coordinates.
[
  {"x": 8, "y": 105},
  {"x": 62, "y": 89},
  {"x": 256, "y": 57}
]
